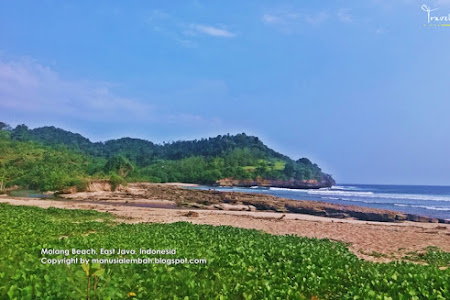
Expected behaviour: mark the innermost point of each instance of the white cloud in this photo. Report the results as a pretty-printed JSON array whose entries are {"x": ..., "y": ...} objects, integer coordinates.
[
  {"x": 212, "y": 31},
  {"x": 169, "y": 26},
  {"x": 32, "y": 90},
  {"x": 187, "y": 43},
  {"x": 182, "y": 32},
  {"x": 29, "y": 86},
  {"x": 379, "y": 30},
  {"x": 344, "y": 15},
  {"x": 281, "y": 18},
  {"x": 271, "y": 19},
  {"x": 288, "y": 21}
]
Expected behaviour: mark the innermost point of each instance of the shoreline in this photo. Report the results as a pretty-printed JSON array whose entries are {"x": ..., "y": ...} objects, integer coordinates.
[
  {"x": 388, "y": 197},
  {"x": 196, "y": 196},
  {"x": 264, "y": 201}
]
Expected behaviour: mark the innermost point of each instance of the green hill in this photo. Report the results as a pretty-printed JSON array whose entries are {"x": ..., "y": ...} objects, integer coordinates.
[{"x": 50, "y": 158}]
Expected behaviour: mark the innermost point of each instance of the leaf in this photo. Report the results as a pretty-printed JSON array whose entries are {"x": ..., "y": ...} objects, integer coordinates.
[
  {"x": 85, "y": 268},
  {"x": 11, "y": 291},
  {"x": 99, "y": 272}
]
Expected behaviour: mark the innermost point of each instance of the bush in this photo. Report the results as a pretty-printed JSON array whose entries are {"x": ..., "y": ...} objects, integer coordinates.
[
  {"x": 80, "y": 183},
  {"x": 116, "y": 180}
]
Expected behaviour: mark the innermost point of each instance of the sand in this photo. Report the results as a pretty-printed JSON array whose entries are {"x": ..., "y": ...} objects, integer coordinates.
[{"x": 375, "y": 241}]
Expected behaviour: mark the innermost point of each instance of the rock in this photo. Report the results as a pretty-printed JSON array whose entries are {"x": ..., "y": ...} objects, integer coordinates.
[
  {"x": 401, "y": 217},
  {"x": 99, "y": 186},
  {"x": 306, "y": 210},
  {"x": 233, "y": 207},
  {"x": 326, "y": 181},
  {"x": 70, "y": 190},
  {"x": 338, "y": 215},
  {"x": 368, "y": 216},
  {"x": 192, "y": 214},
  {"x": 252, "y": 208}
]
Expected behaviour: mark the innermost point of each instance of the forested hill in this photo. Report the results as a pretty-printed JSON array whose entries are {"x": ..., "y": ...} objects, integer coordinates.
[
  {"x": 234, "y": 157},
  {"x": 140, "y": 151}
]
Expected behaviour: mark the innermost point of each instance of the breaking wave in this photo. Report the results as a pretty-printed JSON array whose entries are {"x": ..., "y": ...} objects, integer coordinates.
[
  {"x": 424, "y": 206},
  {"x": 380, "y": 195}
]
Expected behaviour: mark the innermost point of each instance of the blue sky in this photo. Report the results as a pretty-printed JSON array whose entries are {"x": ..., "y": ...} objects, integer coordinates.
[{"x": 360, "y": 87}]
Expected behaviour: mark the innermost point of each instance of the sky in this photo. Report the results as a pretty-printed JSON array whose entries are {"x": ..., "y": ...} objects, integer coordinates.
[{"x": 359, "y": 87}]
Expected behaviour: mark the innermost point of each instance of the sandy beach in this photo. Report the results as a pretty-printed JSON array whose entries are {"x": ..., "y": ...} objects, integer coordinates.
[{"x": 375, "y": 241}]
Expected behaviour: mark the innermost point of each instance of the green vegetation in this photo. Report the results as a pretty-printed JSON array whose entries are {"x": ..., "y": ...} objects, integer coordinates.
[
  {"x": 36, "y": 166},
  {"x": 242, "y": 264},
  {"x": 432, "y": 256},
  {"x": 49, "y": 158}
]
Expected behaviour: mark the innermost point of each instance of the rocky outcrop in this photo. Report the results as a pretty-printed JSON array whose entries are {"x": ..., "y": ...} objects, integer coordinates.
[
  {"x": 99, "y": 186},
  {"x": 138, "y": 193},
  {"x": 326, "y": 181},
  {"x": 93, "y": 186}
]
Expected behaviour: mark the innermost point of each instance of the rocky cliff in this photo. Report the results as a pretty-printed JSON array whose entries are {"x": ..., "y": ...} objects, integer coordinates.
[{"x": 324, "y": 182}]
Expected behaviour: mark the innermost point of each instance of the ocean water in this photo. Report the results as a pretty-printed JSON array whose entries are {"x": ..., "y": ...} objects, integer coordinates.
[{"x": 431, "y": 201}]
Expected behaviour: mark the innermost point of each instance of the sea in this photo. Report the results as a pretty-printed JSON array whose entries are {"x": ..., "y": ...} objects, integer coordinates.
[{"x": 431, "y": 201}]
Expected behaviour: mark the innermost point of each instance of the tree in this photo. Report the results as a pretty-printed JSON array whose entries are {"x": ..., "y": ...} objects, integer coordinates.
[
  {"x": 289, "y": 170},
  {"x": 4, "y": 126},
  {"x": 118, "y": 164},
  {"x": 2, "y": 178},
  {"x": 20, "y": 133},
  {"x": 304, "y": 161}
]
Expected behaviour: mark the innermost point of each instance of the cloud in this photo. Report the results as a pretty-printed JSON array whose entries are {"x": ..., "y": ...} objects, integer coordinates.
[
  {"x": 281, "y": 18},
  {"x": 288, "y": 21},
  {"x": 182, "y": 32},
  {"x": 344, "y": 15},
  {"x": 31, "y": 90},
  {"x": 379, "y": 30},
  {"x": 212, "y": 31},
  {"x": 168, "y": 26},
  {"x": 26, "y": 85},
  {"x": 186, "y": 43},
  {"x": 271, "y": 19}
]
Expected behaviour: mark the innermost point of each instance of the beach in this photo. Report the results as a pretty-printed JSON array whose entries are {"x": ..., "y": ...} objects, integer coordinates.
[{"x": 370, "y": 240}]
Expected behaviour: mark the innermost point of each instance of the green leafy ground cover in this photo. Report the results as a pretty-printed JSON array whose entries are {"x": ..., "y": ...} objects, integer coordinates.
[
  {"x": 433, "y": 256},
  {"x": 242, "y": 264}
]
